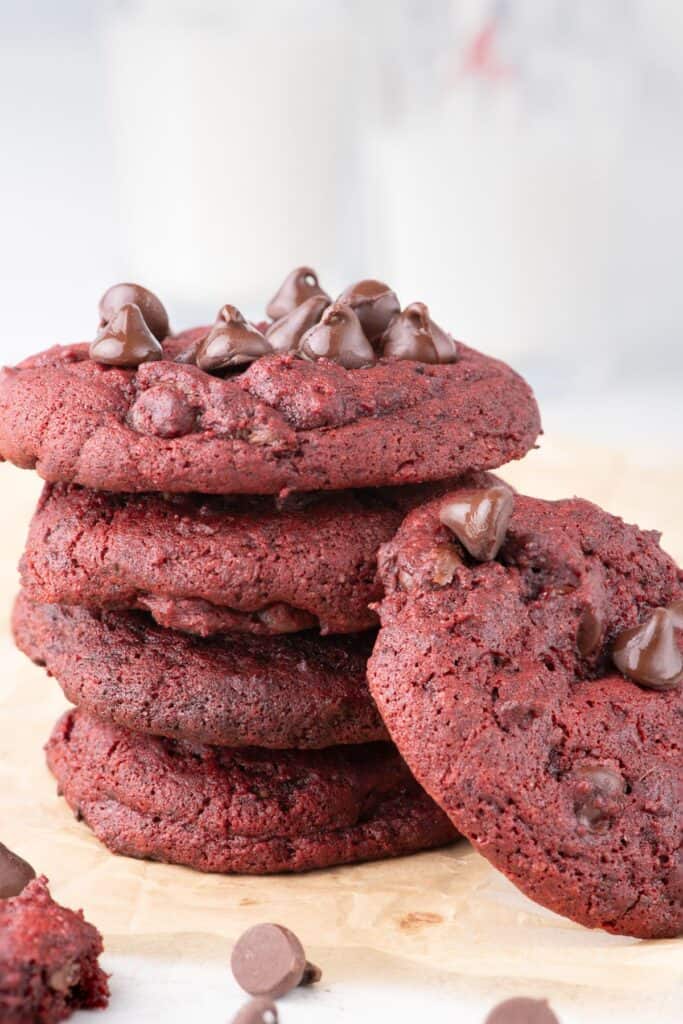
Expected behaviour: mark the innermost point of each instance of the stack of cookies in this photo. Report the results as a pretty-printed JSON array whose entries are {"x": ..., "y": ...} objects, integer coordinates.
[
  {"x": 201, "y": 569},
  {"x": 231, "y": 514}
]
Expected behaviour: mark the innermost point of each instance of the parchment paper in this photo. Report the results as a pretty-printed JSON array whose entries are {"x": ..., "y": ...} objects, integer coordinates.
[{"x": 439, "y": 912}]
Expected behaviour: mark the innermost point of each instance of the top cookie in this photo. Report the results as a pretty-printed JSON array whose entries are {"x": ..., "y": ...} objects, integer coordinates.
[
  {"x": 326, "y": 397},
  {"x": 535, "y": 691}
]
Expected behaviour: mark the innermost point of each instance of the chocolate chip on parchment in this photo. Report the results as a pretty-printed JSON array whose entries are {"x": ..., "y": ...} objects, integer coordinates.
[
  {"x": 522, "y": 1011},
  {"x": 15, "y": 873},
  {"x": 257, "y": 1011},
  {"x": 269, "y": 960}
]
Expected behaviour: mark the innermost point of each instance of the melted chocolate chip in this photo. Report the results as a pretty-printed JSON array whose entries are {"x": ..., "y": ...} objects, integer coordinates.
[
  {"x": 15, "y": 873},
  {"x": 598, "y": 798},
  {"x": 231, "y": 343},
  {"x": 649, "y": 654},
  {"x": 285, "y": 334},
  {"x": 150, "y": 306},
  {"x": 268, "y": 960},
  {"x": 414, "y": 335},
  {"x": 298, "y": 286},
  {"x": 339, "y": 337},
  {"x": 188, "y": 357},
  {"x": 162, "y": 411},
  {"x": 126, "y": 340},
  {"x": 522, "y": 1011},
  {"x": 257, "y": 1011},
  {"x": 589, "y": 633},
  {"x": 375, "y": 305},
  {"x": 479, "y": 519}
]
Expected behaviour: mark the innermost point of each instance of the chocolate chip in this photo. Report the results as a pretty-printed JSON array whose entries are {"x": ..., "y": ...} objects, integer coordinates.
[
  {"x": 15, "y": 873},
  {"x": 162, "y": 411},
  {"x": 375, "y": 305},
  {"x": 479, "y": 519},
  {"x": 126, "y": 340},
  {"x": 124, "y": 294},
  {"x": 285, "y": 334},
  {"x": 414, "y": 335},
  {"x": 256, "y": 1011},
  {"x": 598, "y": 797},
  {"x": 649, "y": 654},
  {"x": 298, "y": 286},
  {"x": 589, "y": 633},
  {"x": 231, "y": 343},
  {"x": 676, "y": 612},
  {"x": 339, "y": 337},
  {"x": 269, "y": 960},
  {"x": 188, "y": 357},
  {"x": 522, "y": 1011}
]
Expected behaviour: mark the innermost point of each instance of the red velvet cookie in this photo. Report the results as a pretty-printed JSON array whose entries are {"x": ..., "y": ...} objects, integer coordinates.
[
  {"x": 246, "y": 811},
  {"x": 48, "y": 959},
  {"x": 500, "y": 688},
  {"x": 284, "y": 423},
  {"x": 302, "y": 691},
  {"x": 215, "y": 564}
]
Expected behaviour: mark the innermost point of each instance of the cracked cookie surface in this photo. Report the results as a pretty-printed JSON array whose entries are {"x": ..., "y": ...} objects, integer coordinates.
[
  {"x": 303, "y": 691},
  {"x": 283, "y": 424},
  {"x": 248, "y": 811},
  {"x": 214, "y": 564},
  {"x": 498, "y": 688}
]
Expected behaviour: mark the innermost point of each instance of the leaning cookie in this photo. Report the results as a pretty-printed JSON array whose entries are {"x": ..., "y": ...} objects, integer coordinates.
[
  {"x": 356, "y": 393},
  {"x": 214, "y": 564},
  {"x": 536, "y": 695},
  {"x": 246, "y": 811},
  {"x": 48, "y": 959},
  {"x": 303, "y": 691}
]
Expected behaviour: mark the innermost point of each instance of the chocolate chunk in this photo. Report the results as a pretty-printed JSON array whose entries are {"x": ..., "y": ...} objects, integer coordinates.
[
  {"x": 124, "y": 294},
  {"x": 339, "y": 337},
  {"x": 285, "y": 334},
  {"x": 676, "y": 612},
  {"x": 599, "y": 796},
  {"x": 298, "y": 286},
  {"x": 414, "y": 335},
  {"x": 162, "y": 411},
  {"x": 231, "y": 343},
  {"x": 188, "y": 357},
  {"x": 15, "y": 873},
  {"x": 126, "y": 340},
  {"x": 257, "y": 1011},
  {"x": 589, "y": 633},
  {"x": 375, "y": 305},
  {"x": 269, "y": 960},
  {"x": 649, "y": 654},
  {"x": 522, "y": 1011},
  {"x": 479, "y": 519}
]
